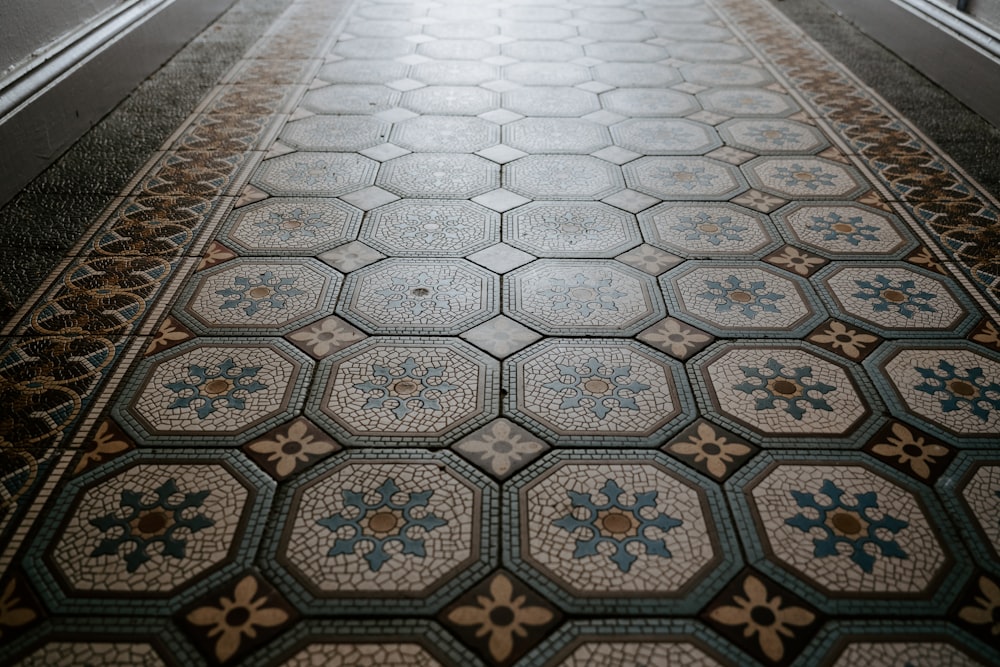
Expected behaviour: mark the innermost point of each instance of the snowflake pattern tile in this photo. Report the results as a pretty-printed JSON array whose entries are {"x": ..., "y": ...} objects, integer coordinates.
[
  {"x": 259, "y": 296},
  {"x": 692, "y": 178},
  {"x": 451, "y": 100},
  {"x": 595, "y": 391},
  {"x": 563, "y": 177},
  {"x": 406, "y": 390},
  {"x": 980, "y": 495},
  {"x": 637, "y": 75},
  {"x": 656, "y": 102},
  {"x": 439, "y": 176},
  {"x": 335, "y": 133},
  {"x": 444, "y": 296},
  {"x": 542, "y": 101},
  {"x": 442, "y": 228},
  {"x": 726, "y": 299},
  {"x": 665, "y": 136},
  {"x": 316, "y": 174},
  {"x": 574, "y": 297},
  {"x": 804, "y": 178},
  {"x": 68, "y": 653},
  {"x": 708, "y": 52},
  {"x": 556, "y": 135},
  {"x": 772, "y": 136},
  {"x": 708, "y": 230},
  {"x": 281, "y": 225},
  {"x": 571, "y": 229},
  {"x": 845, "y": 230},
  {"x": 719, "y": 74},
  {"x": 446, "y": 134},
  {"x": 351, "y": 98},
  {"x": 747, "y": 102}
]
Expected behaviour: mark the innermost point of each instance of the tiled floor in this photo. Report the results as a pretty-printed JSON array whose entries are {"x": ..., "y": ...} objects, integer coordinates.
[{"x": 577, "y": 333}]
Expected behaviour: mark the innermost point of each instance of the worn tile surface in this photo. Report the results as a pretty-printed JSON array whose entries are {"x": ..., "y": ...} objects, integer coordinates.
[{"x": 537, "y": 333}]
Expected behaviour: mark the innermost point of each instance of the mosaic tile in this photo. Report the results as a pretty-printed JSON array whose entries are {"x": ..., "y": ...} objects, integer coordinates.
[
  {"x": 681, "y": 31},
  {"x": 884, "y": 643},
  {"x": 451, "y": 100},
  {"x": 335, "y": 133},
  {"x": 546, "y": 74},
  {"x": 896, "y": 300},
  {"x": 501, "y": 258},
  {"x": 784, "y": 393},
  {"x": 911, "y": 451},
  {"x": 675, "y": 338},
  {"x": 456, "y": 28},
  {"x": 281, "y": 225},
  {"x": 576, "y": 297},
  {"x": 724, "y": 74},
  {"x": 556, "y": 135},
  {"x": 986, "y": 333},
  {"x": 383, "y": 531},
  {"x": 977, "y": 605},
  {"x": 759, "y": 201},
  {"x": 708, "y": 52},
  {"x": 804, "y": 177},
  {"x": 420, "y": 227},
  {"x": 351, "y": 98},
  {"x": 410, "y": 391},
  {"x": 551, "y": 101},
  {"x": 970, "y": 493},
  {"x": 542, "y": 50},
  {"x": 693, "y": 178},
  {"x": 637, "y": 75},
  {"x": 656, "y": 102},
  {"x": 741, "y": 298},
  {"x": 500, "y": 336},
  {"x": 351, "y": 256},
  {"x": 797, "y": 261},
  {"x": 708, "y": 230},
  {"x": 439, "y": 296},
  {"x": 454, "y": 73},
  {"x": 626, "y": 52},
  {"x": 772, "y": 136},
  {"x": 213, "y": 390},
  {"x": 92, "y": 653},
  {"x": 323, "y": 338},
  {"x": 570, "y": 229},
  {"x": 534, "y": 26},
  {"x": 459, "y": 49},
  {"x": 316, "y": 174},
  {"x": 362, "y": 48},
  {"x": 19, "y": 609},
  {"x": 665, "y": 136},
  {"x": 596, "y": 392},
  {"x": 649, "y": 259},
  {"x": 562, "y": 177},
  {"x": 439, "y": 176},
  {"x": 443, "y": 134},
  {"x": 501, "y": 448},
  {"x": 290, "y": 448},
  {"x": 849, "y": 342},
  {"x": 606, "y": 531},
  {"x": 845, "y": 230},
  {"x": 949, "y": 388},
  {"x": 710, "y": 449},
  {"x": 618, "y": 32},
  {"x": 258, "y": 296}
]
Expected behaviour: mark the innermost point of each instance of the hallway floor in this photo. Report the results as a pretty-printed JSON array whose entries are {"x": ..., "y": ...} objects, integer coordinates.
[{"x": 541, "y": 333}]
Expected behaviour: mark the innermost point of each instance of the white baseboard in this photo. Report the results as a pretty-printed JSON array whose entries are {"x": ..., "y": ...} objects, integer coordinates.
[{"x": 45, "y": 108}]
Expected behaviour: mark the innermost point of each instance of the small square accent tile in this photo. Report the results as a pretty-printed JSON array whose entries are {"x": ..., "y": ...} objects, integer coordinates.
[
  {"x": 676, "y": 338},
  {"x": 368, "y": 198},
  {"x": 501, "y": 258},
  {"x": 500, "y": 200},
  {"x": 501, "y": 154},
  {"x": 688, "y": 87},
  {"x": 707, "y": 117},
  {"x": 107, "y": 443},
  {"x": 987, "y": 333},
  {"x": 404, "y": 85},
  {"x": 301, "y": 114},
  {"x": 323, "y": 338},
  {"x": 290, "y": 448},
  {"x": 215, "y": 254},
  {"x": 413, "y": 59},
  {"x": 759, "y": 201},
  {"x": 278, "y": 148},
  {"x": 926, "y": 258},
  {"x": 170, "y": 333},
  {"x": 616, "y": 155},
  {"x": 500, "y": 86},
  {"x": 351, "y": 256},
  {"x": 595, "y": 87},
  {"x": 847, "y": 340},
  {"x": 875, "y": 200},
  {"x": 912, "y": 451},
  {"x": 384, "y": 152},
  {"x": 649, "y": 259},
  {"x": 632, "y": 201},
  {"x": 20, "y": 608},
  {"x": 711, "y": 449},
  {"x": 501, "y": 116},
  {"x": 832, "y": 153},
  {"x": 731, "y": 155},
  {"x": 501, "y": 448},
  {"x": 249, "y": 195},
  {"x": 797, "y": 261},
  {"x": 501, "y": 336},
  {"x": 317, "y": 83},
  {"x": 976, "y": 607},
  {"x": 604, "y": 117},
  {"x": 395, "y": 115}
]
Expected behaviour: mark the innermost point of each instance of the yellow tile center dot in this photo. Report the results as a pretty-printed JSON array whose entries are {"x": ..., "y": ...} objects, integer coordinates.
[
  {"x": 709, "y": 228},
  {"x": 583, "y": 294},
  {"x": 894, "y": 296},
  {"x": 803, "y": 176},
  {"x": 151, "y": 524},
  {"x": 846, "y": 524},
  {"x": 260, "y": 292},
  {"x": 617, "y": 524},
  {"x": 962, "y": 388},
  {"x": 784, "y": 387},
  {"x": 291, "y": 224},
  {"x": 597, "y": 386},
  {"x": 404, "y": 387},
  {"x": 740, "y": 297},
  {"x": 217, "y": 387},
  {"x": 842, "y": 227}
]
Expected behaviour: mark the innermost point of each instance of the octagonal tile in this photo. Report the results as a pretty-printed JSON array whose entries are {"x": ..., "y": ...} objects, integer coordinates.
[
  {"x": 439, "y": 175},
  {"x": 597, "y": 530},
  {"x": 335, "y": 133},
  {"x": 903, "y": 642},
  {"x": 546, "y": 74},
  {"x": 655, "y": 102},
  {"x": 951, "y": 387},
  {"x": 316, "y": 174},
  {"x": 571, "y": 229},
  {"x": 454, "y": 73},
  {"x": 896, "y": 300},
  {"x": 561, "y": 297},
  {"x": 556, "y": 135},
  {"x": 563, "y": 177},
  {"x": 446, "y": 134},
  {"x": 708, "y": 51},
  {"x": 426, "y": 296},
  {"x": 665, "y": 136},
  {"x": 636, "y": 52},
  {"x": 784, "y": 394},
  {"x": 708, "y": 230},
  {"x": 362, "y": 48},
  {"x": 699, "y": 32},
  {"x": 351, "y": 98},
  {"x": 258, "y": 296},
  {"x": 217, "y": 391},
  {"x": 551, "y": 101},
  {"x": 774, "y": 136},
  {"x": 971, "y": 492},
  {"x": 362, "y": 71},
  {"x": 280, "y": 225},
  {"x": 747, "y": 102},
  {"x": 410, "y": 391},
  {"x": 541, "y": 50},
  {"x": 451, "y": 100},
  {"x": 741, "y": 299},
  {"x": 384, "y": 531},
  {"x": 459, "y": 49},
  {"x": 725, "y": 74},
  {"x": 805, "y": 177},
  {"x": 695, "y": 178},
  {"x": 421, "y": 227},
  {"x": 637, "y": 75},
  {"x": 597, "y": 392},
  {"x": 845, "y": 230}
]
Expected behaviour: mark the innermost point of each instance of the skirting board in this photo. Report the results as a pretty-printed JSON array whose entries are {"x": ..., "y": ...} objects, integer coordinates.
[
  {"x": 954, "y": 61},
  {"x": 44, "y": 111}
]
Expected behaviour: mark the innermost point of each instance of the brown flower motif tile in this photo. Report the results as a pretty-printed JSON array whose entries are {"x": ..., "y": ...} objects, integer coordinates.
[
  {"x": 911, "y": 451},
  {"x": 290, "y": 448},
  {"x": 249, "y": 195},
  {"x": 229, "y": 623},
  {"x": 109, "y": 442},
  {"x": 216, "y": 254},
  {"x": 797, "y": 261},
  {"x": 323, "y": 338},
  {"x": 987, "y": 334},
  {"x": 710, "y": 449},
  {"x": 759, "y": 201},
  {"x": 978, "y": 609},
  {"x": 676, "y": 338},
  {"x": 19, "y": 609},
  {"x": 834, "y": 154},
  {"x": 925, "y": 258},
  {"x": 170, "y": 333},
  {"x": 501, "y": 448},
  {"x": 767, "y": 621},
  {"x": 849, "y": 342},
  {"x": 501, "y": 618},
  {"x": 873, "y": 199}
]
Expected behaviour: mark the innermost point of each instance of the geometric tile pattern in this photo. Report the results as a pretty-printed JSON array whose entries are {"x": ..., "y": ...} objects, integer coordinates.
[
  {"x": 708, "y": 230},
  {"x": 278, "y": 226},
  {"x": 419, "y": 227},
  {"x": 845, "y": 230},
  {"x": 570, "y": 229}
]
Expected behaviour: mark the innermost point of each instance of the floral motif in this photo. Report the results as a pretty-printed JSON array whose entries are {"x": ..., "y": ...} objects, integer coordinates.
[
  {"x": 169, "y": 334},
  {"x": 854, "y": 525},
  {"x": 988, "y": 335},
  {"x": 418, "y": 294},
  {"x": 144, "y": 524},
  {"x": 212, "y": 389},
  {"x": 405, "y": 388},
  {"x": 500, "y": 446},
  {"x": 430, "y": 226},
  {"x": 106, "y": 441},
  {"x": 764, "y": 617},
  {"x": 776, "y": 136},
  {"x": 618, "y": 524},
  {"x": 840, "y": 338},
  {"x": 293, "y": 447},
  {"x": 674, "y": 337},
  {"x": 835, "y": 227},
  {"x": 582, "y": 294},
  {"x": 312, "y": 173},
  {"x": 251, "y": 294},
  {"x": 787, "y": 386},
  {"x": 911, "y": 450},
  {"x": 286, "y": 226},
  {"x": 899, "y": 296},
  {"x": 924, "y": 257},
  {"x": 382, "y": 523},
  {"x": 748, "y": 297},
  {"x": 812, "y": 178},
  {"x": 758, "y": 200},
  {"x": 986, "y": 610},
  {"x": 595, "y": 390},
  {"x": 795, "y": 260},
  {"x": 501, "y": 616},
  {"x": 326, "y": 336},
  {"x": 11, "y": 614},
  {"x": 216, "y": 254},
  {"x": 685, "y": 177},
  {"x": 710, "y": 448},
  {"x": 713, "y": 229},
  {"x": 957, "y": 389},
  {"x": 237, "y": 618}
]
